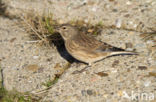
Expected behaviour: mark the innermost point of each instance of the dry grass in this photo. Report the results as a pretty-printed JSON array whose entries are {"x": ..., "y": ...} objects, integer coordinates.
[
  {"x": 42, "y": 28},
  {"x": 2, "y": 8},
  {"x": 149, "y": 35}
]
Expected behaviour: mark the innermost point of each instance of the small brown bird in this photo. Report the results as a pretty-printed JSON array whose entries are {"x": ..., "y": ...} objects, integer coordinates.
[{"x": 86, "y": 48}]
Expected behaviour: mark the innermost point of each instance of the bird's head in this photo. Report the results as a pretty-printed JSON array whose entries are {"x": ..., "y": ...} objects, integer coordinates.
[{"x": 67, "y": 31}]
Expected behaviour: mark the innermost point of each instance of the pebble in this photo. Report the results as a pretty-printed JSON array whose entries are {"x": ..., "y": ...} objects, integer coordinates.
[
  {"x": 130, "y": 22},
  {"x": 118, "y": 23},
  {"x": 147, "y": 83},
  {"x": 83, "y": 92},
  {"x": 154, "y": 38},
  {"x": 115, "y": 10},
  {"x": 94, "y": 9},
  {"x": 135, "y": 25},
  {"x": 86, "y": 20},
  {"x": 131, "y": 33},
  {"x": 60, "y": 21},
  {"x": 120, "y": 93},
  {"x": 84, "y": 1},
  {"x": 32, "y": 67},
  {"x": 150, "y": 42},
  {"x": 35, "y": 57},
  {"x": 148, "y": 1},
  {"x": 129, "y": 45},
  {"x": 90, "y": 30},
  {"x": 128, "y": 3},
  {"x": 90, "y": 92},
  {"x": 115, "y": 63},
  {"x": 114, "y": 71},
  {"x": 150, "y": 60},
  {"x": 102, "y": 74},
  {"x": 152, "y": 68},
  {"x": 140, "y": 45},
  {"x": 30, "y": 81},
  {"x": 129, "y": 49},
  {"x": 142, "y": 67}
]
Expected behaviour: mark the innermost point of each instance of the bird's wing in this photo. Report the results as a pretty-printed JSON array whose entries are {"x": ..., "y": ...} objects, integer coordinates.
[
  {"x": 107, "y": 48},
  {"x": 93, "y": 44},
  {"x": 87, "y": 41}
]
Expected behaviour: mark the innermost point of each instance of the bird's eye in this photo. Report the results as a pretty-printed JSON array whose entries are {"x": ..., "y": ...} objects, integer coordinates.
[{"x": 64, "y": 28}]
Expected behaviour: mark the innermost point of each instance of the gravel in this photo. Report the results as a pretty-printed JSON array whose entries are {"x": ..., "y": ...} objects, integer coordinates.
[{"x": 26, "y": 66}]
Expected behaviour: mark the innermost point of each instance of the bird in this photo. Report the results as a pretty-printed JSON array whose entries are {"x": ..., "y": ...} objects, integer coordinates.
[{"x": 86, "y": 48}]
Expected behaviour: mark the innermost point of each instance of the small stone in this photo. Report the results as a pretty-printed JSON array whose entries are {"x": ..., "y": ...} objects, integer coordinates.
[
  {"x": 150, "y": 42},
  {"x": 94, "y": 9},
  {"x": 111, "y": 0},
  {"x": 102, "y": 74},
  {"x": 57, "y": 65},
  {"x": 40, "y": 70},
  {"x": 142, "y": 67},
  {"x": 32, "y": 67},
  {"x": 90, "y": 2},
  {"x": 152, "y": 68},
  {"x": 153, "y": 74},
  {"x": 129, "y": 49},
  {"x": 105, "y": 95},
  {"x": 90, "y": 92},
  {"x": 118, "y": 23},
  {"x": 12, "y": 40},
  {"x": 127, "y": 15},
  {"x": 130, "y": 22},
  {"x": 140, "y": 45},
  {"x": 154, "y": 38},
  {"x": 128, "y": 3},
  {"x": 115, "y": 63},
  {"x": 131, "y": 33},
  {"x": 135, "y": 25},
  {"x": 90, "y": 30},
  {"x": 120, "y": 93},
  {"x": 30, "y": 81},
  {"x": 84, "y": 2},
  {"x": 115, "y": 10},
  {"x": 114, "y": 71},
  {"x": 111, "y": 32},
  {"x": 128, "y": 70},
  {"x": 83, "y": 92},
  {"x": 49, "y": 59},
  {"x": 86, "y": 20},
  {"x": 35, "y": 57},
  {"x": 147, "y": 83},
  {"x": 129, "y": 45},
  {"x": 60, "y": 21}
]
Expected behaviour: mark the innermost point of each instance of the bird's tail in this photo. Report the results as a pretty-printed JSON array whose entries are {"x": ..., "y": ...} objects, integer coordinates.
[{"x": 123, "y": 53}]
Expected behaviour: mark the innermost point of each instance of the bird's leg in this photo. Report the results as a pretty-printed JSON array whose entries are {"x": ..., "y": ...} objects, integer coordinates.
[
  {"x": 82, "y": 70},
  {"x": 79, "y": 64},
  {"x": 89, "y": 64}
]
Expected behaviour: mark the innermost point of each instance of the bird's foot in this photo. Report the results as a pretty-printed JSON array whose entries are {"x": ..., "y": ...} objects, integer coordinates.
[
  {"x": 82, "y": 70},
  {"x": 77, "y": 65}
]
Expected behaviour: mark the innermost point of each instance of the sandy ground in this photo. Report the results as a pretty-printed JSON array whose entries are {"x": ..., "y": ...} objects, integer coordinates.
[{"x": 26, "y": 66}]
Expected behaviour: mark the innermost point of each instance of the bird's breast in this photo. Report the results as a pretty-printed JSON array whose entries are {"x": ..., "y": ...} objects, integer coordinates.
[{"x": 80, "y": 52}]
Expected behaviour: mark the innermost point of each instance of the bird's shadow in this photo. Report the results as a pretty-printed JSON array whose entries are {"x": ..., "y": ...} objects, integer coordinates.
[{"x": 59, "y": 43}]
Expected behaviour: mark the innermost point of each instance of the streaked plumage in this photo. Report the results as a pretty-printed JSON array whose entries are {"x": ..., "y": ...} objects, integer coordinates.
[{"x": 86, "y": 48}]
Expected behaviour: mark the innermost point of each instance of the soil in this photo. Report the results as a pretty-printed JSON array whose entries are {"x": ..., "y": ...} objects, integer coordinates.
[{"x": 26, "y": 66}]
